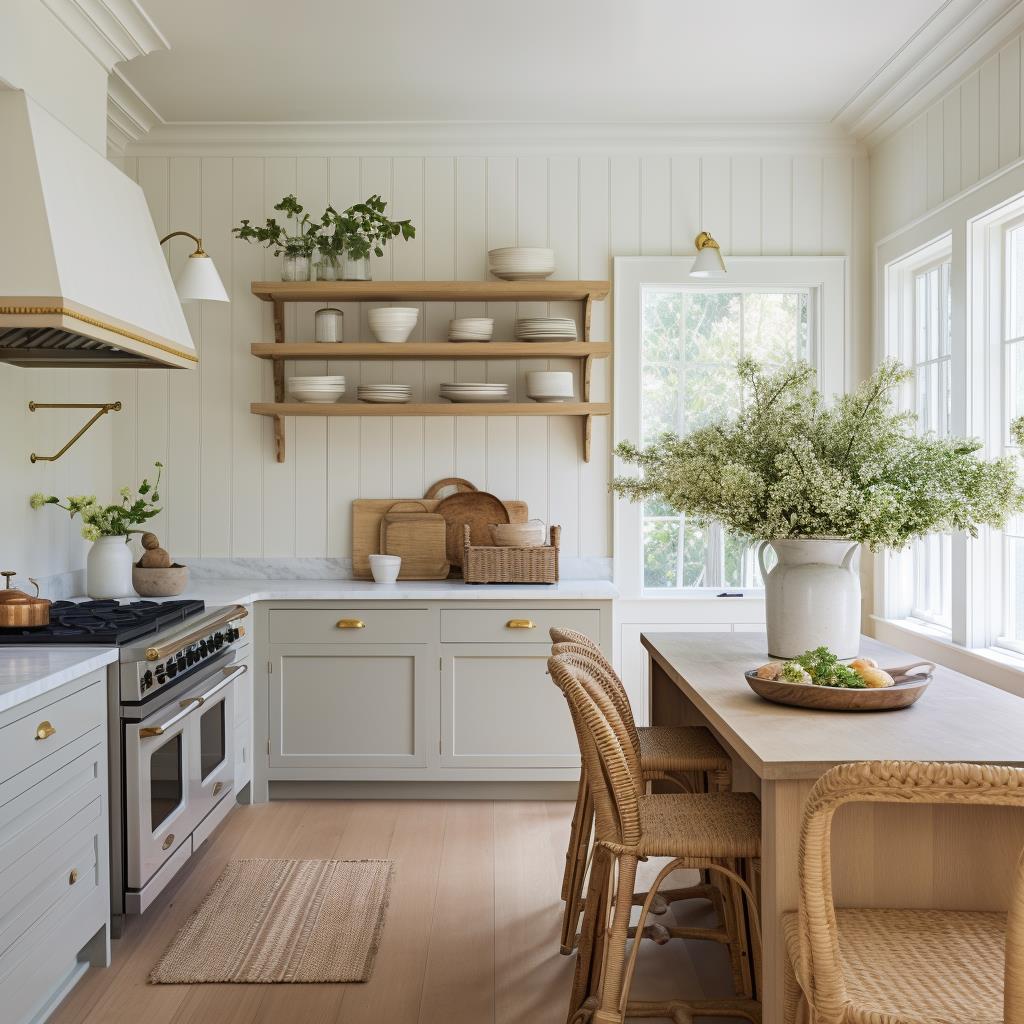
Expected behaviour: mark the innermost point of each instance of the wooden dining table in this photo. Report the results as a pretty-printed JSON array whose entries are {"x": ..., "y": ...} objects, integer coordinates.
[{"x": 884, "y": 855}]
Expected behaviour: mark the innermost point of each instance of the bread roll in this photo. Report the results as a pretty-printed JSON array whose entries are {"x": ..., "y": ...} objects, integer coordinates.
[
  {"x": 858, "y": 663},
  {"x": 876, "y": 677},
  {"x": 770, "y": 671}
]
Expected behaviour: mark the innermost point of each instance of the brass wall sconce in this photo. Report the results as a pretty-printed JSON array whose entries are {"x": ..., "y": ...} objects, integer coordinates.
[{"x": 103, "y": 407}]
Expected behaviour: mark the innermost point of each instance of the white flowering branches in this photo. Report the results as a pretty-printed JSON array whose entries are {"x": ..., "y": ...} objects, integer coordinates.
[
  {"x": 788, "y": 466},
  {"x": 110, "y": 520}
]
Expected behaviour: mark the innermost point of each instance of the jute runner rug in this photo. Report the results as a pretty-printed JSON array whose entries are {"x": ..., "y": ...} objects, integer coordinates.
[{"x": 283, "y": 921}]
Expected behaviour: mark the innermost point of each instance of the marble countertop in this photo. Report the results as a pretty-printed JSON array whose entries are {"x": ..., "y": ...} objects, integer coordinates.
[
  {"x": 246, "y": 591},
  {"x": 29, "y": 672}
]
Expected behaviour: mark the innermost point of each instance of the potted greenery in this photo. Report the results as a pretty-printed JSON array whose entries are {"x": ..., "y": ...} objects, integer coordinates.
[
  {"x": 363, "y": 228},
  {"x": 815, "y": 482},
  {"x": 295, "y": 241},
  {"x": 108, "y": 568},
  {"x": 330, "y": 246}
]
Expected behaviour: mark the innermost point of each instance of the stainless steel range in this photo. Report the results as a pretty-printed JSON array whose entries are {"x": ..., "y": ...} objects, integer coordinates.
[{"x": 171, "y": 713}]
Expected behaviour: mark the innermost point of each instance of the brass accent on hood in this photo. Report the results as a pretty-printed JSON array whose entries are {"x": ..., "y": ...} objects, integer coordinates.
[{"x": 92, "y": 321}]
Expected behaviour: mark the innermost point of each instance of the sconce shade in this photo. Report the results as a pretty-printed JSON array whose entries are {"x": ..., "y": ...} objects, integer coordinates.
[
  {"x": 709, "y": 262},
  {"x": 199, "y": 281}
]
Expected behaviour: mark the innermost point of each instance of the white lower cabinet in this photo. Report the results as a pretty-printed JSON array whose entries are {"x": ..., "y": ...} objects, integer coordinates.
[
  {"x": 54, "y": 864},
  {"x": 406, "y": 691}
]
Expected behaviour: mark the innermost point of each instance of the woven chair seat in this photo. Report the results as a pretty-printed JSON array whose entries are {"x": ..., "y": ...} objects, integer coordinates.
[
  {"x": 710, "y": 826},
  {"x": 670, "y": 748},
  {"x": 916, "y": 966}
]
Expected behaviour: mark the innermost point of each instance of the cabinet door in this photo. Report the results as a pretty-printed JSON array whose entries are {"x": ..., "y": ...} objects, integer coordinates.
[
  {"x": 345, "y": 706},
  {"x": 500, "y": 709}
]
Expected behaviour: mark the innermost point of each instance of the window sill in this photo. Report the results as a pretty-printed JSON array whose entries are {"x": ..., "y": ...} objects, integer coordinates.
[{"x": 998, "y": 667}]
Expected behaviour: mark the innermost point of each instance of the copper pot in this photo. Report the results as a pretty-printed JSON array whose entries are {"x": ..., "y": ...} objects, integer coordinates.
[{"x": 19, "y": 610}]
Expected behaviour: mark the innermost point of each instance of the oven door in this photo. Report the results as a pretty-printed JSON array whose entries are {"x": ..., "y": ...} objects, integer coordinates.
[{"x": 174, "y": 761}]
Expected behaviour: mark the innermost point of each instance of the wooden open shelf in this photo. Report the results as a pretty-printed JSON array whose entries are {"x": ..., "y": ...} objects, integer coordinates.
[
  {"x": 431, "y": 291},
  {"x": 280, "y": 292},
  {"x": 434, "y": 350}
]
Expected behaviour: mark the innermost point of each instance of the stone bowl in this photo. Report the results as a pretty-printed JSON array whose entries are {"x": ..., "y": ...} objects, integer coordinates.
[{"x": 160, "y": 582}]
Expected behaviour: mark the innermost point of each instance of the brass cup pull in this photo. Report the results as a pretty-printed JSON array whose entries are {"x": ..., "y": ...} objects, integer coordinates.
[
  {"x": 217, "y": 787},
  {"x": 351, "y": 624},
  {"x": 520, "y": 624},
  {"x": 73, "y": 877},
  {"x": 168, "y": 841},
  {"x": 44, "y": 731}
]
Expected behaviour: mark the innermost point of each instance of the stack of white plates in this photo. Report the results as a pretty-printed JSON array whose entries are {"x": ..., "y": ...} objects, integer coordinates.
[
  {"x": 549, "y": 385},
  {"x": 471, "y": 328},
  {"x": 474, "y": 392},
  {"x": 322, "y": 390},
  {"x": 395, "y": 394},
  {"x": 519, "y": 263},
  {"x": 393, "y": 323},
  {"x": 546, "y": 328}
]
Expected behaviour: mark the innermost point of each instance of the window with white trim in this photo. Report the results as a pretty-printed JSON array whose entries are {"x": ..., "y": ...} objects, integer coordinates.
[{"x": 691, "y": 339}]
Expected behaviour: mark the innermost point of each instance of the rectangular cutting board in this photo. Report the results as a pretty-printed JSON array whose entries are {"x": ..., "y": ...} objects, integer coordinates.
[{"x": 368, "y": 512}]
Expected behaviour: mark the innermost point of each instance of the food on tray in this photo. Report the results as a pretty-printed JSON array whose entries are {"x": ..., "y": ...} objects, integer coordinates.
[
  {"x": 862, "y": 662},
  {"x": 876, "y": 678},
  {"x": 794, "y": 672},
  {"x": 770, "y": 671},
  {"x": 821, "y": 667}
]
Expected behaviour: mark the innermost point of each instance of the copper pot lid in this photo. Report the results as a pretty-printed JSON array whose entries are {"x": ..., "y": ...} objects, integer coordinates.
[{"x": 12, "y": 597}]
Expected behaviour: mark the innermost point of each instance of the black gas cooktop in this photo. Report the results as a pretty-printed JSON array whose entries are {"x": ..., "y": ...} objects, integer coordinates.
[{"x": 110, "y": 623}]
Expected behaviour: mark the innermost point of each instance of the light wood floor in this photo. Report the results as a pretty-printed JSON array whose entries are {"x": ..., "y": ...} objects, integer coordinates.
[{"x": 471, "y": 934}]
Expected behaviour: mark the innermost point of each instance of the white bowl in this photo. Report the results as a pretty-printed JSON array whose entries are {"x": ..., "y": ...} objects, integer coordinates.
[
  {"x": 549, "y": 382},
  {"x": 317, "y": 397},
  {"x": 385, "y": 568}
]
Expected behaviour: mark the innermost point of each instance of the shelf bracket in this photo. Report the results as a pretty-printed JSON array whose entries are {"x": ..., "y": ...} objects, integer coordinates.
[
  {"x": 588, "y": 423},
  {"x": 279, "y": 437},
  {"x": 278, "y": 368},
  {"x": 102, "y": 407}
]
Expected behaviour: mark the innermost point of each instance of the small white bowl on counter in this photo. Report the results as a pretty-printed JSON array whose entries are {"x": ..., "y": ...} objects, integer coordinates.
[{"x": 385, "y": 568}]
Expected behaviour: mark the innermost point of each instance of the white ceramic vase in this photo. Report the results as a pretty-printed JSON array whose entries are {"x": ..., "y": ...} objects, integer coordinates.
[
  {"x": 108, "y": 569},
  {"x": 812, "y": 596}
]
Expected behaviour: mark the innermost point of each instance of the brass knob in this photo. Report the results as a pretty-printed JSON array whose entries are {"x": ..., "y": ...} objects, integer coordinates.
[
  {"x": 168, "y": 841},
  {"x": 351, "y": 624},
  {"x": 44, "y": 731},
  {"x": 520, "y": 624},
  {"x": 73, "y": 877}
]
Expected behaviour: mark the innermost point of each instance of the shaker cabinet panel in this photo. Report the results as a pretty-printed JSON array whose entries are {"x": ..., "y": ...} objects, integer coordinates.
[
  {"x": 334, "y": 706},
  {"x": 500, "y": 709}
]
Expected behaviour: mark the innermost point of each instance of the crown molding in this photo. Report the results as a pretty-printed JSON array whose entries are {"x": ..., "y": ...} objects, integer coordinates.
[
  {"x": 129, "y": 115},
  {"x": 953, "y": 41},
  {"x": 469, "y": 138},
  {"x": 111, "y": 30}
]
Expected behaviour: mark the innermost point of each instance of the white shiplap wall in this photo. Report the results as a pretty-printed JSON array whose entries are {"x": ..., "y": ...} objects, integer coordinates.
[
  {"x": 969, "y": 134},
  {"x": 226, "y": 495}
]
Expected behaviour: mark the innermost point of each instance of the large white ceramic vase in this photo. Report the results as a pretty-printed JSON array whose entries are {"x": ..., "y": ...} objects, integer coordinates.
[
  {"x": 108, "y": 569},
  {"x": 812, "y": 596}
]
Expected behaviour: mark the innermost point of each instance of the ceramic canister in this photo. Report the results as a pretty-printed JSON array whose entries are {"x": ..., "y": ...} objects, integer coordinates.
[{"x": 329, "y": 324}]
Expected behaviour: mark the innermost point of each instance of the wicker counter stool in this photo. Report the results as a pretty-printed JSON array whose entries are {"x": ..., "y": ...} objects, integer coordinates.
[
  {"x": 717, "y": 832},
  {"x": 688, "y": 756},
  {"x": 869, "y": 966}
]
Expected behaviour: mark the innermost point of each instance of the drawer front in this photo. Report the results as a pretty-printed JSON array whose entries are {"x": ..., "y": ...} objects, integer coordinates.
[
  {"x": 515, "y": 625},
  {"x": 350, "y": 625},
  {"x": 30, "y": 818},
  {"x": 41, "y": 897},
  {"x": 28, "y": 740}
]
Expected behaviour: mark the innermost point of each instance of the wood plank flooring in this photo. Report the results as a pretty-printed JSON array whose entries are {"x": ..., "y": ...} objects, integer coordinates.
[{"x": 471, "y": 934}]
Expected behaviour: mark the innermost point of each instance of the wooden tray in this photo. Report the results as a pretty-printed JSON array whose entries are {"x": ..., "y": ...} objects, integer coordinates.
[
  {"x": 418, "y": 538},
  {"x": 368, "y": 512},
  {"x": 476, "y": 510},
  {"x": 908, "y": 688}
]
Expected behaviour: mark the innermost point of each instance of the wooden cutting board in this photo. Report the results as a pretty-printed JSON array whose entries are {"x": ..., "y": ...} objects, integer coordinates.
[
  {"x": 418, "y": 537},
  {"x": 475, "y": 509},
  {"x": 368, "y": 512}
]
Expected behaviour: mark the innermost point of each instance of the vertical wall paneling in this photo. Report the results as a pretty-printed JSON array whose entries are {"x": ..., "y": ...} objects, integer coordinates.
[
  {"x": 988, "y": 124},
  {"x": 952, "y": 161},
  {"x": 933, "y": 156},
  {"x": 1009, "y": 103},
  {"x": 226, "y": 494},
  {"x": 969, "y": 129}
]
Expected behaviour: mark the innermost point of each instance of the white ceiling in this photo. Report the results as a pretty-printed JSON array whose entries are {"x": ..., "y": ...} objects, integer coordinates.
[{"x": 531, "y": 60}]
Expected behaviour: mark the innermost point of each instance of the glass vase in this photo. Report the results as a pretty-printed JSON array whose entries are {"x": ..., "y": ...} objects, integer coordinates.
[
  {"x": 328, "y": 268},
  {"x": 355, "y": 270},
  {"x": 295, "y": 268}
]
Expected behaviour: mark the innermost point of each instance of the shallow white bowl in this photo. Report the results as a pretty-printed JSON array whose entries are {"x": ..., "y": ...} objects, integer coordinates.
[
  {"x": 316, "y": 397},
  {"x": 385, "y": 568}
]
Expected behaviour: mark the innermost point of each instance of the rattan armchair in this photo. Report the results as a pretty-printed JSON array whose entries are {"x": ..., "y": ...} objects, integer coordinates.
[{"x": 890, "y": 966}]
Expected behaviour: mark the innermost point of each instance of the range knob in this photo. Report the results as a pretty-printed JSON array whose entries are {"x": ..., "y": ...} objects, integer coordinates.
[
  {"x": 172, "y": 669},
  {"x": 160, "y": 677},
  {"x": 217, "y": 640},
  {"x": 147, "y": 679},
  {"x": 203, "y": 649}
]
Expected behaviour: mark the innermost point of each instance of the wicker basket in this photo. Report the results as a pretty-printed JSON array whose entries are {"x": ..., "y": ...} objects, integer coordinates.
[{"x": 511, "y": 565}]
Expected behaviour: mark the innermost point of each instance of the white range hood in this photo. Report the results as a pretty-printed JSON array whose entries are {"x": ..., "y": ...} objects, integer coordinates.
[{"x": 83, "y": 281}]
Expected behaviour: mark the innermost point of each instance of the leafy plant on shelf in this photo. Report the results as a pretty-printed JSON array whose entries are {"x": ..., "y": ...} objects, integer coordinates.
[
  {"x": 115, "y": 520},
  {"x": 364, "y": 228},
  {"x": 788, "y": 465},
  {"x": 290, "y": 239}
]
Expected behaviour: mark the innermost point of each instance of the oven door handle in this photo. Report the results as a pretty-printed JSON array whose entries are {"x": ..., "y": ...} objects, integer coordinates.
[{"x": 188, "y": 704}]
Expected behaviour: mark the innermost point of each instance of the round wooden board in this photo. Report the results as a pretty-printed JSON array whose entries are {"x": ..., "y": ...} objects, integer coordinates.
[
  {"x": 478, "y": 510},
  {"x": 908, "y": 688}
]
